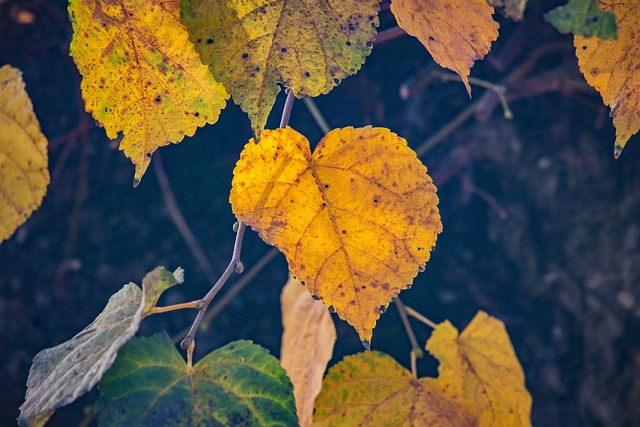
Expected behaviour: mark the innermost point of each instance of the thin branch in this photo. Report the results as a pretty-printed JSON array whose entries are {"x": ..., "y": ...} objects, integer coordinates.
[
  {"x": 411, "y": 312},
  {"x": 235, "y": 264},
  {"x": 498, "y": 89},
  {"x": 178, "y": 219},
  {"x": 389, "y": 34},
  {"x": 469, "y": 186},
  {"x": 234, "y": 290},
  {"x": 446, "y": 130},
  {"x": 416, "y": 350},
  {"x": 317, "y": 115},
  {"x": 235, "y": 259}
]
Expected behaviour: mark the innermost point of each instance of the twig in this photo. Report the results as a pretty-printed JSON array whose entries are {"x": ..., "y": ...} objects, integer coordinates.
[
  {"x": 411, "y": 312},
  {"x": 416, "y": 351},
  {"x": 178, "y": 219},
  {"x": 235, "y": 260},
  {"x": 234, "y": 290},
  {"x": 485, "y": 104},
  {"x": 469, "y": 186},
  {"x": 317, "y": 115},
  {"x": 498, "y": 89},
  {"x": 235, "y": 264},
  {"x": 238, "y": 286},
  {"x": 446, "y": 130},
  {"x": 389, "y": 34}
]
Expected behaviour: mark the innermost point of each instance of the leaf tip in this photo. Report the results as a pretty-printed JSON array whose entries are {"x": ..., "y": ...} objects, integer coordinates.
[
  {"x": 366, "y": 344},
  {"x": 617, "y": 150},
  {"x": 179, "y": 275},
  {"x": 136, "y": 182}
]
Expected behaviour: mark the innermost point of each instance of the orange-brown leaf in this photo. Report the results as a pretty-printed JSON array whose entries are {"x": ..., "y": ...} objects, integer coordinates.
[
  {"x": 371, "y": 389},
  {"x": 612, "y": 67},
  {"x": 307, "y": 345},
  {"x": 356, "y": 220},
  {"x": 455, "y": 32},
  {"x": 481, "y": 365}
]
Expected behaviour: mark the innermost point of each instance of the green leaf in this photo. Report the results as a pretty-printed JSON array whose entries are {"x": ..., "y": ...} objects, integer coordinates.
[
  {"x": 239, "y": 384},
  {"x": 156, "y": 282},
  {"x": 61, "y": 374},
  {"x": 583, "y": 18},
  {"x": 308, "y": 46}
]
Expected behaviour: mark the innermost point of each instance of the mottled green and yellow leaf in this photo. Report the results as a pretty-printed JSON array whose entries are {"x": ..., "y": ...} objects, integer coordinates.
[{"x": 306, "y": 45}]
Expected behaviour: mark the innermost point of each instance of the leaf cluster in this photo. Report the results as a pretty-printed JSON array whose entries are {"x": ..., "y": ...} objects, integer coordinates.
[{"x": 356, "y": 219}]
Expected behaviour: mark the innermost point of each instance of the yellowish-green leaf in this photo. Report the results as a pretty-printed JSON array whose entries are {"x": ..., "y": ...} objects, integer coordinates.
[
  {"x": 306, "y": 45},
  {"x": 371, "y": 389},
  {"x": 356, "y": 220},
  {"x": 23, "y": 154},
  {"x": 583, "y": 18},
  {"x": 156, "y": 282},
  {"x": 140, "y": 74},
  {"x": 513, "y": 9},
  {"x": 481, "y": 365},
  {"x": 455, "y": 32},
  {"x": 612, "y": 67},
  {"x": 307, "y": 345}
]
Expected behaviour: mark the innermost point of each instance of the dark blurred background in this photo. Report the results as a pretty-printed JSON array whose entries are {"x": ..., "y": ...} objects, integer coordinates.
[{"x": 541, "y": 225}]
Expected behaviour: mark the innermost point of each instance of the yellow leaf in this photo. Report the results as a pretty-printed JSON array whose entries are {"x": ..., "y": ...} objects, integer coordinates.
[
  {"x": 371, "y": 389},
  {"x": 141, "y": 75},
  {"x": 612, "y": 67},
  {"x": 481, "y": 365},
  {"x": 23, "y": 154},
  {"x": 307, "y": 345},
  {"x": 306, "y": 45},
  {"x": 356, "y": 220},
  {"x": 455, "y": 32}
]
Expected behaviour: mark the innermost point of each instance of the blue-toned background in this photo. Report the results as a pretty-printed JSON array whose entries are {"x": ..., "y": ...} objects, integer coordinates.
[{"x": 541, "y": 225}]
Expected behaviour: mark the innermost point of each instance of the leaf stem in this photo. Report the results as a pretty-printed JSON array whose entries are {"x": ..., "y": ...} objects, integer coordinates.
[
  {"x": 286, "y": 111},
  {"x": 197, "y": 304},
  {"x": 411, "y": 312},
  {"x": 416, "y": 350}
]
